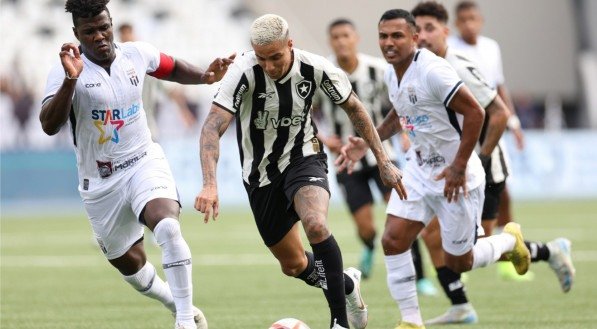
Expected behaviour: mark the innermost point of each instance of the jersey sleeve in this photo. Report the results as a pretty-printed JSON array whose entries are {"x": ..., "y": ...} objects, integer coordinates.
[
  {"x": 54, "y": 82},
  {"x": 149, "y": 54},
  {"x": 443, "y": 81},
  {"x": 335, "y": 83},
  {"x": 476, "y": 82},
  {"x": 499, "y": 70},
  {"x": 233, "y": 88}
]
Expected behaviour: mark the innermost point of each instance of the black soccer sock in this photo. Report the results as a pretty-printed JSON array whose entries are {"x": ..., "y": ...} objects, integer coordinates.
[
  {"x": 328, "y": 263},
  {"x": 539, "y": 251},
  {"x": 310, "y": 276},
  {"x": 453, "y": 287},
  {"x": 369, "y": 242},
  {"x": 417, "y": 260}
]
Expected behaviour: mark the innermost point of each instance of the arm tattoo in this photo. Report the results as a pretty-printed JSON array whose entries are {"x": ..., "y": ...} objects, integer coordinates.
[
  {"x": 214, "y": 127},
  {"x": 364, "y": 126},
  {"x": 390, "y": 126}
]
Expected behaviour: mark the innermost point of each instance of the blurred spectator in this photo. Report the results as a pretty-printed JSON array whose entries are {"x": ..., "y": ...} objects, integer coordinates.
[{"x": 529, "y": 111}]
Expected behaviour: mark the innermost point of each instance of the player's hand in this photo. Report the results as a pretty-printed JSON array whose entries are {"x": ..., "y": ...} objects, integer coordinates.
[
  {"x": 207, "y": 202},
  {"x": 71, "y": 60},
  {"x": 391, "y": 176},
  {"x": 216, "y": 70},
  {"x": 333, "y": 143},
  {"x": 351, "y": 153},
  {"x": 455, "y": 180}
]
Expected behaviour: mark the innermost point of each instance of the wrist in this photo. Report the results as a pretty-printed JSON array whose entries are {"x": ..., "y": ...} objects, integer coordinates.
[{"x": 67, "y": 76}]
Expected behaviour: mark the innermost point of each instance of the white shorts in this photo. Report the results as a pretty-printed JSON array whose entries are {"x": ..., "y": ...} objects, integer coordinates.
[
  {"x": 114, "y": 216},
  {"x": 460, "y": 221}
]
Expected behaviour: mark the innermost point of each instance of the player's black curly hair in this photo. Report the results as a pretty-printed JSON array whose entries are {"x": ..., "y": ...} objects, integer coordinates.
[
  {"x": 85, "y": 8},
  {"x": 400, "y": 14},
  {"x": 431, "y": 8}
]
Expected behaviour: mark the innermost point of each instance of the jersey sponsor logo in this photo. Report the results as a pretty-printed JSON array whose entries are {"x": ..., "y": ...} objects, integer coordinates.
[
  {"x": 262, "y": 121},
  {"x": 110, "y": 121},
  {"x": 238, "y": 96},
  {"x": 303, "y": 88},
  {"x": 412, "y": 123},
  {"x": 331, "y": 91},
  {"x": 412, "y": 95},
  {"x": 433, "y": 160},
  {"x": 91, "y": 85},
  {"x": 316, "y": 179},
  {"x": 266, "y": 95}
]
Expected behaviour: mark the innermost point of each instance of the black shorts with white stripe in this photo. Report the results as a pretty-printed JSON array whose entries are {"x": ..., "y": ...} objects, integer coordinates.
[{"x": 272, "y": 204}]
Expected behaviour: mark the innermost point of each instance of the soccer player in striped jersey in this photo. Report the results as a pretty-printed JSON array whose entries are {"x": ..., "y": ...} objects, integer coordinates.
[
  {"x": 366, "y": 77},
  {"x": 269, "y": 92},
  {"x": 431, "y": 19},
  {"x": 124, "y": 178},
  {"x": 444, "y": 122}
]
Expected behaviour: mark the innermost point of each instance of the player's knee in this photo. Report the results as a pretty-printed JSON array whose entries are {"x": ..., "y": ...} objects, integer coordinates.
[
  {"x": 459, "y": 264},
  {"x": 392, "y": 244},
  {"x": 315, "y": 228},
  {"x": 292, "y": 267},
  {"x": 166, "y": 230}
]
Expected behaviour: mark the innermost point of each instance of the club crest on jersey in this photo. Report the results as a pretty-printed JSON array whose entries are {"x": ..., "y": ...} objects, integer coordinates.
[
  {"x": 303, "y": 88},
  {"x": 133, "y": 78},
  {"x": 412, "y": 95}
]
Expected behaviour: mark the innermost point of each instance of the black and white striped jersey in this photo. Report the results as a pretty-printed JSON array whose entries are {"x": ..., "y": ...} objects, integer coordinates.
[
  {"x": 273, "y": 117},
  {"x": 367, "y": 82}
]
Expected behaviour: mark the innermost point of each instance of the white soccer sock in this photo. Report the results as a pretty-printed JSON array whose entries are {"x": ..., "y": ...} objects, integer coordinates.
[
  {"x": 401, "y": 282},
  {"x": 176, "y": 260},
  {"x": 488, "y": 250},
  {"x": 148, "y": 283}
]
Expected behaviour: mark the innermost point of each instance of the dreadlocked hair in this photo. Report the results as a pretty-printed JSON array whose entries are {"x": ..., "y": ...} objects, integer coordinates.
[{"x": 85, "y": 8}]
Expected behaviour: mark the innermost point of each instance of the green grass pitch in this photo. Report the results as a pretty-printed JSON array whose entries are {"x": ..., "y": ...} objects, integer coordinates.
[{"x": 52, "y": 276}]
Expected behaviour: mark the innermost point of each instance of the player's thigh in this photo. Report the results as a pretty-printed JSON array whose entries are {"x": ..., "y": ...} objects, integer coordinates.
[
  {"x": 153, "y": 193},
  {"x": 355, "y": 189},
  {"x": 114, "y": 224},
  {"x": 459, "y": 221}
]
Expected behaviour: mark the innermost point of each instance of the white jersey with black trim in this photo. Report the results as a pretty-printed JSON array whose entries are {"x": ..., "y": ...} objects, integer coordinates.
[
  {"x": 273, "y": 117},
  {"x": 486, "y": 53},
  {"x": 421, "y": 101},
  {"x": 470, "y": 74},
  {"x": 107, "y": 119},
  {"x": 367, "y": 82}
]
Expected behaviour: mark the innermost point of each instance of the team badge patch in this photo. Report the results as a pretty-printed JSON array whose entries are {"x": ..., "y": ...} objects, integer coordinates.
[
  {"x": 412, "y": 95},
  {"x": 133, "y": 78},
  {"x": 303, "y": 88}
]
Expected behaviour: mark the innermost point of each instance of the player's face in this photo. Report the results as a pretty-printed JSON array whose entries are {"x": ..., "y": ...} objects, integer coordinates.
[
  {"x": 432, "y": 34},
  {"x": 275, "y": 58},
  {"x": 396, "y": 40},
  {"x": 469, "y": 23},
  {"x": 96, "y": 38},
  {"x": 344, "y": 40}
]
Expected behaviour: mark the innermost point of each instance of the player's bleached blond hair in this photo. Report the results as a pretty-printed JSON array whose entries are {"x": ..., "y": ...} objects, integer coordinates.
[{"x": 267, "y": 29}]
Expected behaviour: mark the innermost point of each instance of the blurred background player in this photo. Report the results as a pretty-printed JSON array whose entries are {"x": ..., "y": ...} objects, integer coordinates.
[
  {"x": 269, "y": 91},
  {"x": 366, "y": 77},
  {"x": 124, "y": 178},
  {"x": 486, "y": 53},
  {"x": 432, "y": 18}
]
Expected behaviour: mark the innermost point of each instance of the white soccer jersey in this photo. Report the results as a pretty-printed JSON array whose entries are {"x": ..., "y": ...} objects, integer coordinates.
[
  {"x": 486, "y": 53},
  {"x": 273, "y": 117},
  {"x": 421, "y": 100},
  {"x": 472, "y": 77},
  {"x": 367, "y": 82},
  {"x": 107, "y": 118}
]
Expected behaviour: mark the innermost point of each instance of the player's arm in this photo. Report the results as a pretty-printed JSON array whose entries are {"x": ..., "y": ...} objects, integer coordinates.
[
  {"x": 390, "y": 126},
  {"x": 54, "y": 112},
  {"x": 513, "y": 121},
  {"x": 497, "y": 114},
  {"x": 181, "y": 71},
  {"x": 214, "y": 127},
  {"x": 390, "y": 175}
]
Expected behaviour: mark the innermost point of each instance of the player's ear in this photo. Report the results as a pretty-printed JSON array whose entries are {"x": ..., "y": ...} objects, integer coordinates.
[{"x": 446, "y": 30}]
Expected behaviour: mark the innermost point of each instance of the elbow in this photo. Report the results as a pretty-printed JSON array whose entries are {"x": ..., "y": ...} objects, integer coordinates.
[{"x": 49, "y": 129}]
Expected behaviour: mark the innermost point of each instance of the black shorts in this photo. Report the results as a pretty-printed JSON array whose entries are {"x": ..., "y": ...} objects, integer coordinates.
[
  {"x": 492, "y": 200},
  {"x": 356, "y": 189},
  {"x": 272, "y": 205}
]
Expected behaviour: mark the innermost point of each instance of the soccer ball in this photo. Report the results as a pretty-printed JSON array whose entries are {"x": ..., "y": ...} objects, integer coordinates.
[{"x": 289, "y": 323}]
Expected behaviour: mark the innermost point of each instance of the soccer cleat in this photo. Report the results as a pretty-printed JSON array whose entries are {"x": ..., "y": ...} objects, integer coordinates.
[
  {"x": 355, "y": 306},
  {"x": 426, "y": 288},
  {"x": 520, "y": 255},
  {"x": 463, "y": 314},
  {"x": 507, "y": 272},
  {"x": 366, "y": 263},
  {"x": 560, "y": 262},
  {"x": 199, "y": 318},
  {"x": 408, "y": 325}
]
